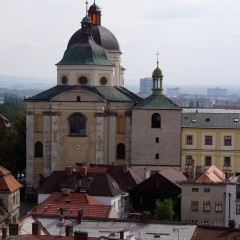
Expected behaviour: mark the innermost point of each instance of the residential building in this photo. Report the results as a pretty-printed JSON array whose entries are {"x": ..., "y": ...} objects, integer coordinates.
[
  {"x": 216, "y": 92},
  {"x": 161, "y": 185},
  {"x": 146, "y": 85},
  {"x": 210, "y": 138},
  {"x": 173, "y": 92},
  {"x": 89, "y": 180},
  {"x": 9, "y": 194}
]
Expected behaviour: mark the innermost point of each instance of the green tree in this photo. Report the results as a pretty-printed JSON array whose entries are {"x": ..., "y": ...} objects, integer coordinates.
[{"x": 164, "y": 210}]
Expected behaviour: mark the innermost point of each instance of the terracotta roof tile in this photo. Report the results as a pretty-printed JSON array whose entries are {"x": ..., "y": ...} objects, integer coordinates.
[
  {"x": 71, "y": 204},
  {"x": 212, "y": 174},
  {"x": 7, "y": 181}
]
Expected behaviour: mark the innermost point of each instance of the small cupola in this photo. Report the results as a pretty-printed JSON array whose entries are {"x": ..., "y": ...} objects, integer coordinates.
[
  {"x": 94, "y": 13},
  {"x": 157, "y": 80}
]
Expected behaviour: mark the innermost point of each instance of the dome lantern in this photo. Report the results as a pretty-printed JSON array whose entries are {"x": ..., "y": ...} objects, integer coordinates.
[
  {"x": 157, "y": 79},
  {"x": 94, "y": 13}
]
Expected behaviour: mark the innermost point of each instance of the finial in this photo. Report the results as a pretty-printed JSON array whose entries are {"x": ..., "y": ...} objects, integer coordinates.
[
  {"x": 86, "y": 7},
  {"x": 157, "y": 58},
  {"x": 94, "y": 1}
]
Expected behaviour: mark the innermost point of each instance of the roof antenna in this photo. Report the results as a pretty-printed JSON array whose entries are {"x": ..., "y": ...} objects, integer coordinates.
[
  {"x": 157, "y": 58},
  {"x": 86, "y": 7}
]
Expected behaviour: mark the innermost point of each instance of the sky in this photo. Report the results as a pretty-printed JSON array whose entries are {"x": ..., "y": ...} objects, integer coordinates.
[{"x": 198, "y": 40}]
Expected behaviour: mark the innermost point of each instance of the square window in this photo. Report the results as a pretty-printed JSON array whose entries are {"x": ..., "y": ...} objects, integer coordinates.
[
  {"x": 218, "y": 206},
  {"x": 227, "y": 140},
  {"x": 194, "y": 189},
  {"x": 227, "y": 162},
  {"x": 157, "y": 139},
  {"x": 205, "y": 223},
  {"x": 189, "y": 160},
  {"x": 189, "y": 140},
  {"x": 208, "y": 161},
  {"x": 208, "y": 140},
  {"x": 194, "y": 206},
  {"x": 206, "y": 189},
  {"x": 206, "y": 206}
]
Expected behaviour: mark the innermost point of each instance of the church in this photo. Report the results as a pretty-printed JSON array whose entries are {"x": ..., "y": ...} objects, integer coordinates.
[{"x": 89, "y": 117}]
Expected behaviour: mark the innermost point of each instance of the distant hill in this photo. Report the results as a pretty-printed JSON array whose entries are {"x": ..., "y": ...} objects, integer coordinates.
[{"x": 14, "y": 82}]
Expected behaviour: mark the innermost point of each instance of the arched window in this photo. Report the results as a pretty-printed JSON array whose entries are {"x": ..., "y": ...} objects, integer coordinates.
[
  {"x": 120, "y": 151},
  {"x": 77, "y": 124},
  {"x": 156, "y": 120},
  {"x": 38, "y": 149}
]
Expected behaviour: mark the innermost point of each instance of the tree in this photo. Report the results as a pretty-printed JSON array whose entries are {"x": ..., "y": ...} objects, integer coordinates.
[{"x": 164, "y": 210}]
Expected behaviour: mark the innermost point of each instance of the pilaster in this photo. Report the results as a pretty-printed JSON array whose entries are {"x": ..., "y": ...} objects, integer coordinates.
[
  {"x": 128, "y": 135},
  {"x": 99, "y": 137}
]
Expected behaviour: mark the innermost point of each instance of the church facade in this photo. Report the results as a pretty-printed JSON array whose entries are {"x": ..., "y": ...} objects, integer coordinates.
[{"x": 90, "y": 118}]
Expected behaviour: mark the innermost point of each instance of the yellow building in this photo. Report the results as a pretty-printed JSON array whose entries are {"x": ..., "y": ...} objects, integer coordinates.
[{"x": 209, "y": 138}]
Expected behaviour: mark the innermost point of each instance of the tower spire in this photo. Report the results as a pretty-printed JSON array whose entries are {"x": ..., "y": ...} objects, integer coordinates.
[
  {"x": 87, "y": 7},
  {"x": 157, "y": 79}
]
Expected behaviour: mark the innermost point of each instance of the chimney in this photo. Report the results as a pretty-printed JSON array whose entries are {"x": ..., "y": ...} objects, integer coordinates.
[
  {"x": 83, "y": 171},
  {"x": 79, "y": 235},
  {"x": 124, "y": 234},
  {"x": 4, "y": 232},
  {"x": 68, "y": 170},
  {"x": 13, "y": 229},
  {"x": 80, "y": 215},
  {"x": 69, "y": 230},
  {"x": 36, "y": 229},
  {"x": 125, "y": 168}
]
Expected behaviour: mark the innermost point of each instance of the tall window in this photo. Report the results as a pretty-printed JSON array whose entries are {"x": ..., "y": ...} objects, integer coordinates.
[
  {"x": 189, "y": 140},
  {"x": 206, "y": 206},
  {"x": 208, "y": 161},
  {"x": 156, "y": 120},
  {"x": 194, "y": 206},
  {"x": 218, "y": 206},
  {"x": 77, "y": 124},
  {"x": 38, "y": 149},
  {"x": 227, "y": 162},
  {"x": 227, "y": 140},
  {"x": 120, "y": 151},
  {"x": 208, "y": 140},
  {"x": 189, "y": 160},
  {"x": 121, "y": 124},
  {"x": 38, "y": 123}
]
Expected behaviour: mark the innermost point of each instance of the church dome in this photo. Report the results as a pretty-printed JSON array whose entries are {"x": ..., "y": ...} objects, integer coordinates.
[
  {"x": 101, "y": 35},
  {"x": 157, "y": 73}
]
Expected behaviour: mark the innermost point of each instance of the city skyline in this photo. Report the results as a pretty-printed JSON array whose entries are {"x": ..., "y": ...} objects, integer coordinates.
[{"x": 197, "y": 41}]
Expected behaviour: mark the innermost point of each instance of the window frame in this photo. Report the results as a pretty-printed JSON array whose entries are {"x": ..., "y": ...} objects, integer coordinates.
[
  {"x": 208, "y": 140},
  {"x": 189, "y": 159},
  {"x": 77, "y": 124},
  {"x": 189, "y": 139},
  {"x": 227, "y": 162},
  {"x": 156, "y": 120},
  {"x": 208, "y": 159},
  {"x": 228, "y": 140},
  {"x": 237, "y": 209},
  {"x": 194, "y": 206},
  {"x": 38, "y": 149},
  {"x": 206, "y": 206},
  {"x": 218, "y": 207}
]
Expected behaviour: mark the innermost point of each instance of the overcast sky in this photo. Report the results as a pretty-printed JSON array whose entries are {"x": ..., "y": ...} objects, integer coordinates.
[{"x": 198, "y": 40}]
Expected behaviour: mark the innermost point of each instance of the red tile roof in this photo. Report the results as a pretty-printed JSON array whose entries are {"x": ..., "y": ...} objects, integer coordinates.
[
  {"x": 71, "y": 204},
  {"x": 7, "y": 181},
  {"x": 44, "y": 237},
  {"x": 212, "y": 174}
]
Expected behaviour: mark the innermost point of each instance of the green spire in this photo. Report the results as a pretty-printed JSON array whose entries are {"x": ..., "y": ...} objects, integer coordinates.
[{"x": 157, "y": 80}]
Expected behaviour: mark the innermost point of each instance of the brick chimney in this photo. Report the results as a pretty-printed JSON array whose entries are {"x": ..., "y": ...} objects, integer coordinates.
[
  {"x": 13, "y": 229},
  {"x": 4, "y": 232},
  {"x": 36, "y": 229},
  {"x": 79, "y": 235},
  {"x": 69, "y": 230},
  {"x": 80, "y": 215}
]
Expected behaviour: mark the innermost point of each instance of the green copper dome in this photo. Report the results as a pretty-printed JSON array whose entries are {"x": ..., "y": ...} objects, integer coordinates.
[
  {"x": 86, "y": 19},
  {"x": 157, "y": 73}
]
